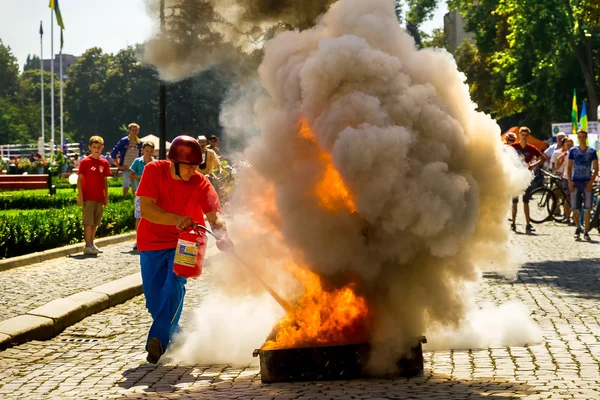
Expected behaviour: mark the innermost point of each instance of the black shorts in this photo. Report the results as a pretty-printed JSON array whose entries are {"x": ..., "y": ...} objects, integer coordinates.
[{"x": 527, "y": 194}]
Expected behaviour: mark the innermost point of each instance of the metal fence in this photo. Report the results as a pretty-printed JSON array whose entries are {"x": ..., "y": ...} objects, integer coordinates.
[{"x": 25, "y": 150}]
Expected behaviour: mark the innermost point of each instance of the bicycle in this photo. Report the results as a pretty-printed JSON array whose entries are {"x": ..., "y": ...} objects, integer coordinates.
[{"x": 546, "y": 200}]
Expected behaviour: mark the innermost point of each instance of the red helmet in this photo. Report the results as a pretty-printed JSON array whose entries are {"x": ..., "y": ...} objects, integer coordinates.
[
  {"x": 511, "y": 137},
  {"x": 186, "y": 150}
]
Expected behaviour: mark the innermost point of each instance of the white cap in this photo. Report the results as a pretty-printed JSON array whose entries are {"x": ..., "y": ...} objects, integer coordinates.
[
  {"x": 201, "y": 137},
  {"x": 561, "y": 134}
]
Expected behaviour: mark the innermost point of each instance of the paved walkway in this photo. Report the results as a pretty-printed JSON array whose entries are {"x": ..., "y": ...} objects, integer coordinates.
[
  {"x": 26, "y": 288},
  {"x": 103, "y": 356}
]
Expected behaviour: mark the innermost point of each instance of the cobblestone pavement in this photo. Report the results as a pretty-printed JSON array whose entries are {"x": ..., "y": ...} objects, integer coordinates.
[
  {"x": 26, "y": 288},
  {"x": 103, "y": 356}
]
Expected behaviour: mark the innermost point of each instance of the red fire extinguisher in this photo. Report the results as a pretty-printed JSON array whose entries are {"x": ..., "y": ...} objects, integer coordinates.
[{"x": 189, "y": 254}]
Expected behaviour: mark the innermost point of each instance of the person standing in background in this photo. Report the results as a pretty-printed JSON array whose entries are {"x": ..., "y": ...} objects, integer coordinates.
[
  {"x": 136, "y": 170},
  {"x": 128, "y": 149}
]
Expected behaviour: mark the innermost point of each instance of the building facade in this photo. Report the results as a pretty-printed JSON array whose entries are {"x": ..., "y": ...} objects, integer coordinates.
[
  {"x": 67, "y": 61},
  {"x": 454, "y": 28}
]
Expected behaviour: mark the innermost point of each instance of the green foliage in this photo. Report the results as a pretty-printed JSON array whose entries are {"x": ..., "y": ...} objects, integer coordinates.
[
  {"x": 103, "y": 93},
  {"x": 106, "y": 92},
  {"x": 437, "y": 38},
  {"x": 41, "y": 230},
  {"x": 32, "y": 62},
  {"x": 528, "y": 57},
  {"x": 9, "y": 71}
]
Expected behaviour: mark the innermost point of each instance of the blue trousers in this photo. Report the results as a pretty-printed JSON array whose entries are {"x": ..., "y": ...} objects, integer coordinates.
[{"x": 164, "y": 292}]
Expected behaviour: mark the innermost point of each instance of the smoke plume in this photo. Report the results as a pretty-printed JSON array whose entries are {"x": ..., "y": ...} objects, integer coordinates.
[
  {"x": 200, "y": 34},
  {"x": 429, "y": 177}
]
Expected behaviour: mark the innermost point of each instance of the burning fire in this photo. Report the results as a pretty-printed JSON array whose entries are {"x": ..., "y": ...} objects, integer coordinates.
[
  {"x": 322, "y": 317},
  {"x": 331, "y": 191}
]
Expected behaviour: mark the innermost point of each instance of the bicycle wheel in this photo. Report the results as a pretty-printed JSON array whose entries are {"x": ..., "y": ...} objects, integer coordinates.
[
  {"x": 560, "y": 197},
  {"x": 542, "y": 205}
]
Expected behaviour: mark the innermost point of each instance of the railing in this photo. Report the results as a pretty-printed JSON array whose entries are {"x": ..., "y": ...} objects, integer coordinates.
[{"x": 25, "y": 150}]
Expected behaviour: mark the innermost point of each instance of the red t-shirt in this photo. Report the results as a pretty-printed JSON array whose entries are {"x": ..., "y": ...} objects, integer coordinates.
[
  {"x": 527, "y": 153},
  {"x": 193, "y": 198},
  {"x": 93, "y": 172}
]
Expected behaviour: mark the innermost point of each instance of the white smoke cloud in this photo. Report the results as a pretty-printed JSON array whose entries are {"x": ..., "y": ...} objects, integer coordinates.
[
  {"x": 430, "y": 179},
  {"x": 225, "y": 329},
  {"x": 237, "y": 114},
  {"x": 508, "y": 324},
  {"x": 201, "y": 34}
]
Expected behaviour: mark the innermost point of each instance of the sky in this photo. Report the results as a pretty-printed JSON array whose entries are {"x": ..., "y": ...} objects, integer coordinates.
[{"x": 109, "y": 24}]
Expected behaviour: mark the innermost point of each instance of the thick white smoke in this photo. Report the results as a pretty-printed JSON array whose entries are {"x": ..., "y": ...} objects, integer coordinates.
[
  {"x": 225, "y": 329},
  {"x": 429, "y": 175},
  {"x": 430, "y": 179},
  {"x": 200, "y": 34}
]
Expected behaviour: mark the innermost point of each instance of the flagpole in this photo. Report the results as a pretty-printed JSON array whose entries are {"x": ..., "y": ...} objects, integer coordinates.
[
  {"x": 52, "y": 81},
  {"x": 42, "y": 80},
  {"x": 61, "y": 97}
]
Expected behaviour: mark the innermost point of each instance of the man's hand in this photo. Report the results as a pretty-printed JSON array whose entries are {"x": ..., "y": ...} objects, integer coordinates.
[
  {"x": 589, "y": 186},
  {"x": 80, "y": 199},
  {"x": 105, "y": 201},
  {"x": 224, "y": 244},
  {"x": 184, "y": 222},
  {"x": 571, "y": 186}
]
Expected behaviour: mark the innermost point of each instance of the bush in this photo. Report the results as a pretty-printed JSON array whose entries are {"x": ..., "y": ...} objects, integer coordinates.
[
  {"x": 37, "y": 231},
  {"x": 25, "y": 201}
]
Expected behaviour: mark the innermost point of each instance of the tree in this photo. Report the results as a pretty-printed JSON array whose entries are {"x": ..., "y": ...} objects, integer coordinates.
[
  {"x": 437, "y": 38},
  {"x": 9, "y": 71},
  {"x": 83, "y": 95},
  {"x": 536, "y": 52},
  {"x": 32, "y": 62}
]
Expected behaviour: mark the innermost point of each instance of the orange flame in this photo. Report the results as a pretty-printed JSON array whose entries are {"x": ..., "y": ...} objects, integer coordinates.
[
  {"x": 331, "y": 191},
  {"x": 322, "y": 317}
]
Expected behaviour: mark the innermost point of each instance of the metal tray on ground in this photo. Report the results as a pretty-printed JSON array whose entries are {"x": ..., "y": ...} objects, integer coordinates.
[{"x": 326, "y": 363}]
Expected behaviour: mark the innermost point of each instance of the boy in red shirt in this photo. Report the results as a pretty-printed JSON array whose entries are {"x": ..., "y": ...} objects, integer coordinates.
[
  {"x": 527, "y": 152},
  {"x": 92, "y": 185},
  {"x": 172, "y": 196}
]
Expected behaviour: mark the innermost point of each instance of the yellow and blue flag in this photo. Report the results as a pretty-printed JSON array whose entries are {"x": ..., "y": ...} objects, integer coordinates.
[
  {"x": 583, "y": 120},
  {"x": 54, "y": 5},
  {"x": 574, "y": 114}
]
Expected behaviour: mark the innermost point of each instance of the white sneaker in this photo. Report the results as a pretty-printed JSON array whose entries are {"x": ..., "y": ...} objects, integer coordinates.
[
  {"x": 90, "y": 250},
  {"x": 99, "y": 250}
]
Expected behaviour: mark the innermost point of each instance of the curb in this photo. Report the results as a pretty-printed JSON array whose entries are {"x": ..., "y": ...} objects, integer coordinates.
[
  {"x": 40, "y": 256},
  {"x": 52, "y": 318}
]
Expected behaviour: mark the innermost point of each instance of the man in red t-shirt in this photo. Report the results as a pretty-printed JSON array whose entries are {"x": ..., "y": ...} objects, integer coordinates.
[
  {"x": 528, "y": 153},
  {"x": 172, "y": 196},
  {"x": 92, "y": 185}
]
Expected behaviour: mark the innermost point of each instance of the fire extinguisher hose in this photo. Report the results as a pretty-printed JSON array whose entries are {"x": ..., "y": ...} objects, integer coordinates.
[{"x": 282, "y": 302}]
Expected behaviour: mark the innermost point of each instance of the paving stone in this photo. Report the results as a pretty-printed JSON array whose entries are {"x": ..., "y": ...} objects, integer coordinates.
[{"x": 103, "y": 356}]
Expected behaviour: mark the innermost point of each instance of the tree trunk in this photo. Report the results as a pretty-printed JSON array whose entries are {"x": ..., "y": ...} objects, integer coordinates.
[{"x": 584, "y": 57}]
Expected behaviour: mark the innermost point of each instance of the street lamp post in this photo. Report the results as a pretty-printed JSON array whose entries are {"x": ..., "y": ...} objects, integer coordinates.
[{"x": 162, "y": 117}]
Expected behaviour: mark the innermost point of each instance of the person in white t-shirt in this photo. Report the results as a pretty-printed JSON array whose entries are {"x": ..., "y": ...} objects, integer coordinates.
[
  {"x": 556, "y": 147},
  {"x": 560, "y": 160}
]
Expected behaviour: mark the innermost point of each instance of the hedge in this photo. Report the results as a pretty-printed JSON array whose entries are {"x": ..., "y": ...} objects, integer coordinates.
[
  {"x": 25, "y": 201},
  {"x": 37, "y": 231}
]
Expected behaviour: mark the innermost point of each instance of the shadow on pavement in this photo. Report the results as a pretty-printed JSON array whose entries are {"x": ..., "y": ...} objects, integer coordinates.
[
  {"x": 580, "y": 277},
  {"x": 423, "y": 387},
  {"x": 81, "y": 256},
  {"x": 150, "y": 378}
]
